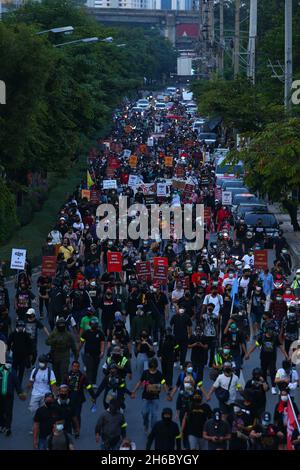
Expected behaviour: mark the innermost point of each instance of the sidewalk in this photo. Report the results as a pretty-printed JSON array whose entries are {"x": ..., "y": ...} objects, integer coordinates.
[{"x": 293, "y": 238}]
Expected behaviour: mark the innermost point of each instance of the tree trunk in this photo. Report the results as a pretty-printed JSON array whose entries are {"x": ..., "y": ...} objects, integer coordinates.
[{"x": 292, "y": 208}]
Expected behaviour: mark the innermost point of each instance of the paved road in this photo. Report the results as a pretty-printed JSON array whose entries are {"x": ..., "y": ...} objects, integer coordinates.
[{"x": 22, "y": 440}]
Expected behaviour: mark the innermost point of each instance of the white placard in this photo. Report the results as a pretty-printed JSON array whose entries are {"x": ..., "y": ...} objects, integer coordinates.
[
  {"x": 150, "y": 142},
  {"x": 161, "y": 189},
  {"x": 126, "y": 153},
  {"x": 18, "y": 258},
  {"x": 227, "y": 198},
  {"x": 109, "y": 184},
  {"x": 133, "y": 180}
]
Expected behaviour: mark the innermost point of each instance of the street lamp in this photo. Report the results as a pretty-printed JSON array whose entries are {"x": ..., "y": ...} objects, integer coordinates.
[
  {"x": 85, "y": 40},
  {"x": 63, "y": 29}
]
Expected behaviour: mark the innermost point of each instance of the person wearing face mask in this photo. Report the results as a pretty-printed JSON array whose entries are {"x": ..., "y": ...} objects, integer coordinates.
[
  {"x": 246, "y": 282},
  {"x": 167, "y": 354},
  {"x": 116, "y": 357},
  {"x": 111, "y": 427},
  {"x": 62, "y": 343},
  {"x": 152, "y": 380},
  {"x": 222, "y": 356},
  {"x": 265, "y": 435},
  {"x": 182, "y": 330},
  {"x": 278, "y": 309},
  {"x": 216, "y": 431},
  {"x": 77, "y": 382},
  {"x": 215, "y": 299},
  {"x": 225, "y": 387},
  {"x": 165, "y": 433},
  {"x": 66, "y": 411},
  {"x": 287, "y": 378},
  {"x": 109, "y": 306},
  {"x": 66, "y": 249},
  {"x": 198, "y": 345},
  {"x": 258, "y": 387},
  {"x": 257, "y": 306},
  {"x": 229, "y": 278},
  {"x": 280, "y": 411},
  {"x": 43, "y": 421},
  {"x": 59, "y": 439},
  {"x": 114, "y": 386},
  {"x": 194, "y": 420},
  {"x": 20, "y": 344},
  {"x": 289, "y": 328},
  {"x": 80, "y": 301},
  {"x": 42, "y": 380},
  {"x": 209, "y": 324},
  {"x": 268, "y": 341},
  {"x": 144, "y": 351},
  {"x": 86, "y": 319},
  {"x": 93, "y": 340},
  {"x": 23, "y": 300},
  {"x": 139, "y": 323}
]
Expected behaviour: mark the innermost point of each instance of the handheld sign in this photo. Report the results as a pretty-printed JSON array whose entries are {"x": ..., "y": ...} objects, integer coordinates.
[{"x": 18, "y": 258}]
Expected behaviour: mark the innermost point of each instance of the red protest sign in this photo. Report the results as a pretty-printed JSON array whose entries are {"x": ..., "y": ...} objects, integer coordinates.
[
  {"x": 180, "y": 171},
  {"x": 49, "y": 266},
  {"x": 95, "y": 196},
  {"x": 160, "y": 274},
  {"x": 114, "y": 262},
  {"x": 113, "y": 162},
  {"x": 143, "y": 271},
  {"x": 160, "y": 261},
  {"x": 189, "y": 189},
  {"x": 110, "y": 172},
  {"x": 261, "y": 259}
]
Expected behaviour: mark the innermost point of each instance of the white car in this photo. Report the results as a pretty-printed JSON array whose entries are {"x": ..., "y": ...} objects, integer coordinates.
[
  {"x": 171, "y": 90},
  {"x": 160, "y": 106},
  {"x": 143, "y": 103},
  {"x": 191, "y": 108},
  {"x": 198, "y": 125}
]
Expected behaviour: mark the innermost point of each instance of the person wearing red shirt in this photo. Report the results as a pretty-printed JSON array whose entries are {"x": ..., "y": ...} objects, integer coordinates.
[{"x": 222, "y": 214}]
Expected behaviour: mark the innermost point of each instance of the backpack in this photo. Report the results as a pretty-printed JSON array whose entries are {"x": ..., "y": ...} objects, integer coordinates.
[
  {"x": 50, "y": 441},
  {"x": 36, "y": 369}
]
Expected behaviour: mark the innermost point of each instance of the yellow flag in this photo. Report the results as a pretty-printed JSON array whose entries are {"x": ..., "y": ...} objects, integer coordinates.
[{"x": 90, "y": 182}]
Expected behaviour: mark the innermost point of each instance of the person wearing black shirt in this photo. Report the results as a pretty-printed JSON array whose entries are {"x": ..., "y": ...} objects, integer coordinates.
[
  {"x": 194, "y": 421},
  {"x": 265, "y": 435},
  {"x": 109, "y": 307},
  {"x": 259, "y": 232},
  {"x": 5, "y": 321},
  {"x": 199, "y": 346},
  {"x": 182, "y": 328},
  {"x": 269, "y": 342},
  {"x": 43, "y": 421},
  {"x": 77, "y": 382},
  {"x": 165, "y": 433},
  {"x": 94, "y": 341},
  {"x": 19, "y": 342},
  {"x": 153, "y": 380},
  {"x": 279, "y": 243},
  {"x": 66, "y": 411},
  {"x": 44, "y": 285},
  {"x": 216, "y": 431},
  {"x": 4, "y": 296},
  {"x": 166, "y": 353},
  {"x": 258, "y": 387},
  {"x": 23, "y": 300},
  {"x": 188, "y": 304}
]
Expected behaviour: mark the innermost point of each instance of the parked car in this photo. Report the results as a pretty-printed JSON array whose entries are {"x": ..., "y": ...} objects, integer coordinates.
[
  {"x": 160, "y": 106},
  {"x": 231, "y": 183},
  {"x": 198, "y": 125},
  {"x": 208, "y": 137},
  {"x": 240, "y": 198},
  {"x": 224, "y": 170},
  {"x": 242, "y": 209},
  {"x": 234, "y": 191},
  {"x": 269, "y": 222}
]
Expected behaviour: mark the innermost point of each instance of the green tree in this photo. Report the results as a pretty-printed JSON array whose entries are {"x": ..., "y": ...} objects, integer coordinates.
[{"x": 272, "y": 164}]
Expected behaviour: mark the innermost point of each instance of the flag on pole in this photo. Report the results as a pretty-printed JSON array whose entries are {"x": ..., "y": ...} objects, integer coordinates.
[
  {"x": 90, "y": 182},
  {"x": 292, "y": 424},
  {"x": 234, "y": 291}
]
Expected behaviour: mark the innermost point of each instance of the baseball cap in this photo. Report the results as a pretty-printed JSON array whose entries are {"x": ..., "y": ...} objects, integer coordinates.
[{"x": 30, "y": 311}]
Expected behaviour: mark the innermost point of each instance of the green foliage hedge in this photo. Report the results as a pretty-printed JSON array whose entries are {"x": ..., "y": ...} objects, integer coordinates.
[{"x": 8, "y": 215}]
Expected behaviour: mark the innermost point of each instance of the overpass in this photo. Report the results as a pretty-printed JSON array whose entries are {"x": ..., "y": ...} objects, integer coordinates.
[{"x": 165, "y": 20}]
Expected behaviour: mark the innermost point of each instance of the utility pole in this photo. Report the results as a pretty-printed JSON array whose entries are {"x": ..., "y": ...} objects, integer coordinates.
[
  {"x": 251, "y": 67},
  {"x": 222, "y": 42},
  {"x": 237, "y": 39},
  {"x": 288, "y": 62}
]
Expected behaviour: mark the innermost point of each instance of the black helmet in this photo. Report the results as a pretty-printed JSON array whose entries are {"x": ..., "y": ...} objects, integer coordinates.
[
  {"x": 167, "y": 412},
  {"x": 43, "y": 358},
  {"x": 257, "y": 372}
]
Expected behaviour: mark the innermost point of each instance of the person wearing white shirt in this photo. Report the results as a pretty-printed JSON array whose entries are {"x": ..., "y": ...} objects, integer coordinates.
[
  {"x": 227, "y": 381},
  {"x": 56, "y": 237},
  {"x": 287, "y": 377},
  {"x": 213, "y": 298},
  {"x": 42, "y": 380},
  {"x": 229, "y": 280},
  {"x": 249, "y": 259}
]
